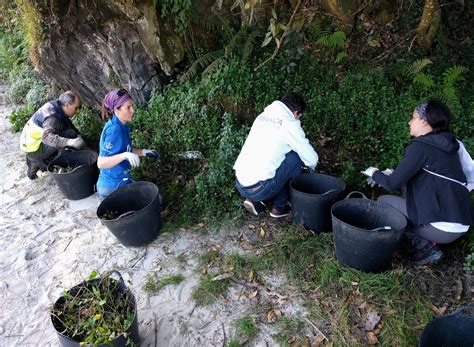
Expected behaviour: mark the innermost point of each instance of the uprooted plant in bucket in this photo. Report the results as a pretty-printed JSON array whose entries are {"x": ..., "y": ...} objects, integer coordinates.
[
  {"x": 64, "y": 170},
  {"x": 100, "y": 310}
]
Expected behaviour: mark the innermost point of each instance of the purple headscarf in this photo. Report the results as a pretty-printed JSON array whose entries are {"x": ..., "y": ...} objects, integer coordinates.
[
  {"x": 113, "y": 101},
  {"x": 421, "y": 109}
]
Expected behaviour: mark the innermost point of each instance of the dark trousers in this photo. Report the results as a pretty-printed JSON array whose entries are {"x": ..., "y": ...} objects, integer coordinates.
[{"x": 276, "y": 188}]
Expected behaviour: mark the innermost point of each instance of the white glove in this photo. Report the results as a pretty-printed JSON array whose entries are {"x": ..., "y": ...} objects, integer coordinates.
[
  {"x": 151, "y": 153},
  {"x": 369, "y": 171},
  {"x": 132, "y": 158},
  {"x": 76, "y": 143},
  {"x": 371, "y": 182}
]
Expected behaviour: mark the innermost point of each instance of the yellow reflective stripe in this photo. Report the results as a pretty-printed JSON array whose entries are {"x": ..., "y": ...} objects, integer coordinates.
[{"x": 30, "y": 139}]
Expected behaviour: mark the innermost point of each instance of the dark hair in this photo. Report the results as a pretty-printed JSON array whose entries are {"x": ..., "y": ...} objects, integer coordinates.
[
  {"x": 294, "y": 101},
  {"x": 438, "y": 116},
  {"x": 105, "y": 110}
]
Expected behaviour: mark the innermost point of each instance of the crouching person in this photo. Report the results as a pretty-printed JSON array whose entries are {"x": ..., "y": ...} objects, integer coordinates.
[
  {"x": 49, "y": 131},
  {"x": 273, "y": 153}
]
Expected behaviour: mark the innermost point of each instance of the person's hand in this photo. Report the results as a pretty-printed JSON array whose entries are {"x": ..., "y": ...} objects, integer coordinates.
[
  {"x": 133, "y": 159},
  {"x": 76, "y": 143},
  {"x": 151, "y": 153},
  {"x": 372, "y": 183},
  {"x": 369, "y": 171}
]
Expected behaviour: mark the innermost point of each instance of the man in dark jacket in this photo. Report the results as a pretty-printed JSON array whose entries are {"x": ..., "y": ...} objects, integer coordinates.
[{"x": 49, "y": 131}]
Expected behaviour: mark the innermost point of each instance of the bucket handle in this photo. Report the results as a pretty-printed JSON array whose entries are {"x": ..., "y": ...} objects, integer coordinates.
[
  {"x": 116, "y": 273},
  {"x": 460, "y": 310},
  {"x": 356, "y": 192}
]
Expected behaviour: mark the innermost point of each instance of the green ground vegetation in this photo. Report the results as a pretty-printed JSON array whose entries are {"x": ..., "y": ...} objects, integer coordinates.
[{"x": 153, "y": 284}]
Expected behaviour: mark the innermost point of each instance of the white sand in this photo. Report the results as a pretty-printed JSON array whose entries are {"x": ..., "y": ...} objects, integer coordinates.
[{"x": 49, "y": 244}]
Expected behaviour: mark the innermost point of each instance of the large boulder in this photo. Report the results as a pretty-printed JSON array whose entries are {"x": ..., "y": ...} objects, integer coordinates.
[{"x": 93, "y": 46}]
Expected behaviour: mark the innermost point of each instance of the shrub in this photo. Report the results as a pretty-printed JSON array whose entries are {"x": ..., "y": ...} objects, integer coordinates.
[{"x": 20, "y": 116}]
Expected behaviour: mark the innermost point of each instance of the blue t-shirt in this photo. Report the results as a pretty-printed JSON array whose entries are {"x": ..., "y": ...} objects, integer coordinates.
[{"x": 115, "y": 139}]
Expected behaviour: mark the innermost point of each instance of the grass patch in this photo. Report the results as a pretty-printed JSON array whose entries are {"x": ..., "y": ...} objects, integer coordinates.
[
  {"x": 246, "y": 327},
  {"x": 233, "y": 343},
  {"x": 343, "y": 296},
  {"x": 154, "y": 285},
  {"x": 207, "y": 291},
  {"x": 290, "y": 331},
  {"x": 210, "y": 258}
]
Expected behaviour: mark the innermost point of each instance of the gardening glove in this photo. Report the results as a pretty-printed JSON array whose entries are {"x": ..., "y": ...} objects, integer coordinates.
[
  {"x": 76, "y": 143},
  {"x": 132, "y": 158},
  {"x": 371, "y": 182},
  {"x": 369, "y": 171},
  {"x": 151, "y": 153}
]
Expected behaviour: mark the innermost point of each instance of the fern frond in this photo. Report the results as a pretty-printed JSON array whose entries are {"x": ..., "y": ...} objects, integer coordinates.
[
  {"x": 248, "y": 48},
  {"x": 419, "y": 65},
  {"x": 201, "y": 63},
  {"x": 453, "y": 74},
  {"x": 235, "y": 41},
  {"x": 214, "y": 66},
  {"x": 335, "y": 40},
  {"x": 424, "y": 80},
  {"x": 340, "y": 57}
]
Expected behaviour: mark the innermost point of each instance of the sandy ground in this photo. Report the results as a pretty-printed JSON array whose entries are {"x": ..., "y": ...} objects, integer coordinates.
[{"x": 49, "y": 244}]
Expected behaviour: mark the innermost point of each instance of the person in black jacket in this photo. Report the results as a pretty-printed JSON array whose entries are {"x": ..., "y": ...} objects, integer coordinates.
[
  {"x": 49, "y": 130},
  {"x": 437, "y": 202}
]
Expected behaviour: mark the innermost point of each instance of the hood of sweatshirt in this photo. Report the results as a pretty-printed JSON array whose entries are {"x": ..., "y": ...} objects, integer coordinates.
[
  {"x": 280, "y": 110},
  {"x": 444, "y": 141}
]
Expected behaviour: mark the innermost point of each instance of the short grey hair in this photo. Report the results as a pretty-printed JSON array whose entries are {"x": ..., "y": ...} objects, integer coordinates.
[{"x": 68, "y": 97}]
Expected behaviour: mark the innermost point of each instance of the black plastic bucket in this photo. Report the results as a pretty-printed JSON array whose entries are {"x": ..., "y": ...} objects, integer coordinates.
[
  {"x": 452, "y": 330},
  {"x": 312, "y": 196},
  {"x": 136, "y": 207},
  {"x": 366, "y": 232},
  {"x": 120, "y": 288},
  {"x": 80, "y": 182}
]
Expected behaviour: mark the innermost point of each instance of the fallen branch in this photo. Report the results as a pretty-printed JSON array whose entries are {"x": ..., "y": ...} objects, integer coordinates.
[
  {"x": 280, "y": 41},
  {"x": 315, "y": 328}
]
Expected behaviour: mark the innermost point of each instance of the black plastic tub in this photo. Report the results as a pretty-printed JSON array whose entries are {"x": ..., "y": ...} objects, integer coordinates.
[
  {"x": 312, "y": 196},
  {"x": 136, "y": 213},
  {"x": 80, "y": 182},
  {"x": 366, "y": 233},
  {"x": 452, "y": 330},
  {"x": 120, "y": 288}
]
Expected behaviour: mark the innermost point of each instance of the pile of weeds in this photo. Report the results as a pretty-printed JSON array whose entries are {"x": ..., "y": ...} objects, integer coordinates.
[{"x": 95, "y": 311}]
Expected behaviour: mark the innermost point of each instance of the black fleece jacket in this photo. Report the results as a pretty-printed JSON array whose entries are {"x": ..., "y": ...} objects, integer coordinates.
[{"x": 431, "y": 198}]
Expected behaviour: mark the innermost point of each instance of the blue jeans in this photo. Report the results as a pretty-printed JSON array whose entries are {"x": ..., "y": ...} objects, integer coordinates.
[
  {"x": 276, "y": 188},
  {"x": 105, "y": 191}
]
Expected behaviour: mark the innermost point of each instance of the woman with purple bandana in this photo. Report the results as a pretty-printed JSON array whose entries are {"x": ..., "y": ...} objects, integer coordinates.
[
  {"x": 116, "y": 154},
  {"x": 438, "y": 173}
]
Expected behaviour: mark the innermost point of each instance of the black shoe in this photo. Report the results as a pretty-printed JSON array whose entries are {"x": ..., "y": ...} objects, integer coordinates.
[
  {"x": 254, "y": 207},
  {"x": 32, "y": 169},
  {"x": 275, "y": 213},
  {"x": 427, "y": 255}
]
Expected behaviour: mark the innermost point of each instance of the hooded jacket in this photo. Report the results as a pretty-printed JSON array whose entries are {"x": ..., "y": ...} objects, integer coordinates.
[
  {"x": 274, "y": 133},
  {"x": 434, "y": 178},
  {"x": 47, "y": 125}
]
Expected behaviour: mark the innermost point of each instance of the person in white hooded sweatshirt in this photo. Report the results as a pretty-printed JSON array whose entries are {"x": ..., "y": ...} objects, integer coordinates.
[{"x": 273, "y": 153}]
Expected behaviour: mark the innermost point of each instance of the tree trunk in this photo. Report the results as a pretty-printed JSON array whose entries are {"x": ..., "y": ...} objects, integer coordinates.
[
  {"x": 343, "y": 11},
  {"x": 429, "y": 23}
]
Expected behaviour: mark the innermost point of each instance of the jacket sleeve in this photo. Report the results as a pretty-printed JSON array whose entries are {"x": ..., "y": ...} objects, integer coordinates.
[
  {"x": 300, "y": 144},
  {"x": 412, "y": 162},
  {"x": 51, "y": 128}
]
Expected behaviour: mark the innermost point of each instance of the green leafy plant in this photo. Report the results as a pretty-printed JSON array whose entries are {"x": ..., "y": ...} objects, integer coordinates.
[
  {"x": 20, "y": 116},
  {"x": 95, "y": 312},
  {"x": 154, "y": 285}
]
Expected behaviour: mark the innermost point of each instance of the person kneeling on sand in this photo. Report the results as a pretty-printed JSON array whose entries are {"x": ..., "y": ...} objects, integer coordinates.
[
  {"x": 272, "y": 155},
  {"x": 116, "y": 154},
  {"x": 49, "y": 132},
  {"x": 438, "y": 174}
]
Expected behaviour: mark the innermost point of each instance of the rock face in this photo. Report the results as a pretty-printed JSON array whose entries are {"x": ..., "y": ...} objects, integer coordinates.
[{"x": 93, "y": 46}]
